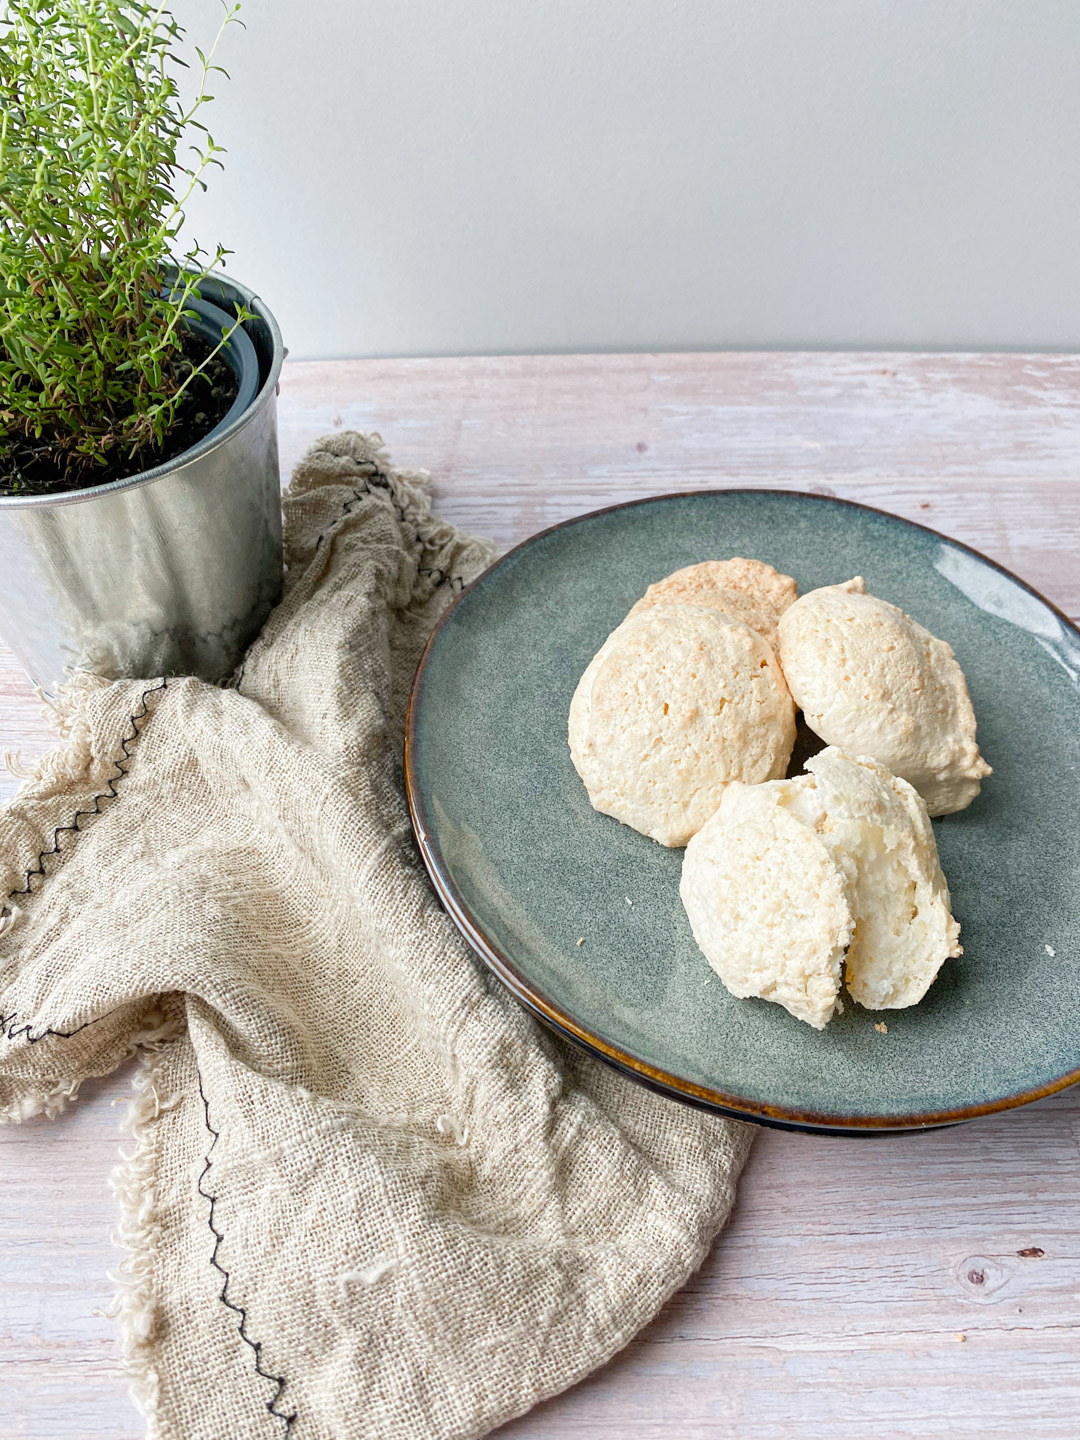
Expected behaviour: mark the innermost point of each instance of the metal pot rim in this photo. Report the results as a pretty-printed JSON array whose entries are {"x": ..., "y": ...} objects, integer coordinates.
[{"x": 194, "y": 452}]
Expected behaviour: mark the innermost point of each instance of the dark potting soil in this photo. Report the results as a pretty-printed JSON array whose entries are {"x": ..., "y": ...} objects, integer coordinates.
[{"x": 32, "y": 467}]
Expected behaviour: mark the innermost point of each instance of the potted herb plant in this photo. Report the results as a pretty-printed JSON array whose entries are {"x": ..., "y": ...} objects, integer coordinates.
[{"x": 140, "y": 517}]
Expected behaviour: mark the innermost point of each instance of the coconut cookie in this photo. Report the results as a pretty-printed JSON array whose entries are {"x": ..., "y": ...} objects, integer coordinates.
[
  {"x": 796, "y": 885},
  {"x": 747, "y": 590},
  {"x": 767, "y": 903},
  {"x": 878, "y": 829},
  {"x": 872, "y": 681},
  {"x": 679, "y": 701}
]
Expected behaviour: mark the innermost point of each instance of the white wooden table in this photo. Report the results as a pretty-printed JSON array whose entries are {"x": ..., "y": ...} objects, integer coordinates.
[{"x": 899, "y": 1287}]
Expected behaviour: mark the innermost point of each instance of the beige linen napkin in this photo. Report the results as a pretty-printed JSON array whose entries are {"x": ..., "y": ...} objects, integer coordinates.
[{"x": 368, "y": 1196}]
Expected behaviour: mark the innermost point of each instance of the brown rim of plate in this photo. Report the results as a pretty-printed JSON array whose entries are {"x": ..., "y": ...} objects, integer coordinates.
[{"x": 550, "y": 1012}]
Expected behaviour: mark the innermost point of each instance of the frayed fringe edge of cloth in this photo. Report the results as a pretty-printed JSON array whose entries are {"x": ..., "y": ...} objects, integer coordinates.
[
  {"x": 70, "y": 757},
  {"x": 49, "y": 1103},
  {"x": 132, "y": 1182},
  {"x": 156, "y": 1030}
]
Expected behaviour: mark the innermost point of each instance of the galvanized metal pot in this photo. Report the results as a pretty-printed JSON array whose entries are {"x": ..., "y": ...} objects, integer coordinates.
[{"x": 169, "y": 572}]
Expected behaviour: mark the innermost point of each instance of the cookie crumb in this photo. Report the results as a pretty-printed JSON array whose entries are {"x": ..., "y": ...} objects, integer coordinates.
[
  {"x": 960, "y": 1336},
  {"x": 582, "y": 940},
  {"x": 881, "y": 1028},
  {"x": 1050, "y": 950},
  {"x": 1031, "y": 1252}
]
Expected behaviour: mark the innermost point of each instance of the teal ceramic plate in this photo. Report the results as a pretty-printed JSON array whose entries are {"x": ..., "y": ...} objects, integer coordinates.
[{"x": 526, "y": 867}]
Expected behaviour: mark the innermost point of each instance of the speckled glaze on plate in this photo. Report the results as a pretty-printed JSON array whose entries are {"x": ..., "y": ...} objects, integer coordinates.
[{"x": 526, "y": 867}]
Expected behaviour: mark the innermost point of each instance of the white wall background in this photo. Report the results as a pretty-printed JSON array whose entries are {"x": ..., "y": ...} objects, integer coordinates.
[{"x": 466, "y": 176}]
